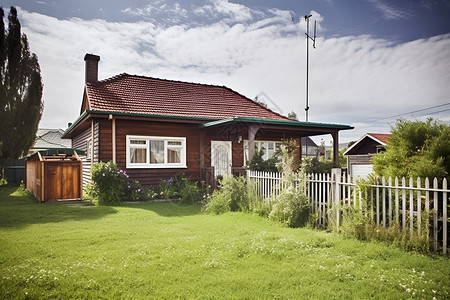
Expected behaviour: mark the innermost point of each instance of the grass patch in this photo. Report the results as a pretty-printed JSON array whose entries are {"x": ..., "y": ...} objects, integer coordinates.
[{"x": 164, "y": 250}]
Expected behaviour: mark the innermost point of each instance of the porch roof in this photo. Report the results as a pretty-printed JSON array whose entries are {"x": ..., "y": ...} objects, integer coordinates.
[{"x": 288, "y": 123}]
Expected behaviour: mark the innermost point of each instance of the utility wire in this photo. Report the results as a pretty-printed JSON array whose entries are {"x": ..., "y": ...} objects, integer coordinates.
[{"x": 412, "y": 112}]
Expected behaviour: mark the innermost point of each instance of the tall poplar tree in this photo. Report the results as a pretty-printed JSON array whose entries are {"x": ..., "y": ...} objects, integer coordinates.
[{"x": 20, "y": 90}]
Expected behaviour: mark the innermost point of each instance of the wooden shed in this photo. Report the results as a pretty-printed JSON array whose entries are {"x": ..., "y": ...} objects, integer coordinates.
[{"x": 55, "y": 174}]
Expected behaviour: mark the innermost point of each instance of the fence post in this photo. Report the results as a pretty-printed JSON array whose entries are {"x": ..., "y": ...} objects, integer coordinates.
[
  {"x": 390, "y": 201},
  {"x": 383, "y": 190},
  {"x": 377, "y": 200},
  {"x": 427, "y": 209},
  {"x": 419, "y": 208},
  {"x": 435, "y": 215},
  {"x": 397, "y": 219},
  {"x": 444, "y": 216},
  {"x": 411, "y": 206},
  {"x": 320, "y": 200},
  {"x": 335, "y": 180},
  {"x": 403, "y": 203}
]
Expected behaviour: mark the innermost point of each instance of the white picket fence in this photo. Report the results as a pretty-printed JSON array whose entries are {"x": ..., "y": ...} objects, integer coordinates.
[{"x": 419, "y": 206}]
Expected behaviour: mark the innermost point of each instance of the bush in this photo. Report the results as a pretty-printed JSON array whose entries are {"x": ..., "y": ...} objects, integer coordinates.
[
  {"x": 168, "y": 190},
  {"x": 259, "y": 164},
  {"x": 232, "y": 195},
  {"x": 313, "y": 165},
  {"x": 179, "y": 187},
  {"x": 217, "y": 204},
  {"x": 291, "y": 208},
  {"x": 108, "y": 183},
  {"x": 112, "y": 186},
  {"x": 190, "y": 193}
]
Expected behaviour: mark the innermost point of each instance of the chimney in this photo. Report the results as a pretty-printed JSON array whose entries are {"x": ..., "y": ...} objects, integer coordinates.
[{"x": 91, "y": 67}]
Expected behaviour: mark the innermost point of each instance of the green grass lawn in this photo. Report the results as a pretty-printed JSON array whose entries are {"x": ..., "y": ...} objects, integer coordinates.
[{"x": 166, "y": 250}]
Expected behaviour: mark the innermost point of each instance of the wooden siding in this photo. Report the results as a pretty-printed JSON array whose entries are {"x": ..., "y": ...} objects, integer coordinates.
[
  {"x": 194, "y": 147},
  {"x": 150, "y": 176},
  {"x": 80, "y": 142},
  {"x": 33, "y": 176}
]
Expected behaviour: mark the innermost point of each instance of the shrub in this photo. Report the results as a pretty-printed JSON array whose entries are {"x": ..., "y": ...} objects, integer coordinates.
[
  {"x": 111, "y": 186},
  {"x": 233, "y": 192},
  {"x": 180, "y": 187},
  {"x": 217, "y": 204},
  {"x": 291, "y": 208},
  {"x": 259, "y": 164},
  {"x": 190, "y": 193},
  {"x": 134, "y": 191},
  {"x": 314, "y": 165},
  {"x": 168, "y": 190},
  {"x": 108, "y": 183}
]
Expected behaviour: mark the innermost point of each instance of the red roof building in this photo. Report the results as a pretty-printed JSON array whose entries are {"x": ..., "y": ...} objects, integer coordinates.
[{"x": 154, "y": 128}]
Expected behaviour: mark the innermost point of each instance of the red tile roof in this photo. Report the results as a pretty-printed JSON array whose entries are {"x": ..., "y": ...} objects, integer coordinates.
[
  {"x": 134, "y": 94},
  {"x": 382, "y": 137}
]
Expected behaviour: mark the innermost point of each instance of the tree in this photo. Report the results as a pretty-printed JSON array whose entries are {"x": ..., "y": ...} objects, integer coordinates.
[
  {"x": 416, "y": 149},
  {"x": 293, "y": 115},
  {"x": 20, "y": 90}
]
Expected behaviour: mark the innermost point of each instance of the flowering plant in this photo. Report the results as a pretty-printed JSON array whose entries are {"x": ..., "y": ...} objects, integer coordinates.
[{"x": 108, "y": 183}]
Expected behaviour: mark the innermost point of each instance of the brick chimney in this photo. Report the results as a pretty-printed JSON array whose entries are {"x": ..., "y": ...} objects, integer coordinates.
[{"x": 91, "y": 67}]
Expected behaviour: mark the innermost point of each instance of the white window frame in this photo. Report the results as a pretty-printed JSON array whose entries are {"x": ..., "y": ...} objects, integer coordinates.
[
  {"x": 88, "y": 149},
  {"x": 166, "y": 140},
  {"x": 258, "y": 145}
]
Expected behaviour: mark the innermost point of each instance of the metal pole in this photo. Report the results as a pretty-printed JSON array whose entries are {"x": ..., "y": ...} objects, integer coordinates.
[{"x": 307, "y": 67}]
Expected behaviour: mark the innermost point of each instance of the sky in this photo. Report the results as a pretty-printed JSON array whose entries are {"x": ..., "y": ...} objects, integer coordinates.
[{"x": 375, "y": 61}]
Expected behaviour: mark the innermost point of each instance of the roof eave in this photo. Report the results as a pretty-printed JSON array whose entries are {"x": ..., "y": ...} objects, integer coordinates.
[{"x": 275, "y": 122}]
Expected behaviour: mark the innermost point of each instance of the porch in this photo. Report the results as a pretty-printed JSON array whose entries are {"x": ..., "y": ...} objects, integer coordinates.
[{"x": 226, "y": 145}]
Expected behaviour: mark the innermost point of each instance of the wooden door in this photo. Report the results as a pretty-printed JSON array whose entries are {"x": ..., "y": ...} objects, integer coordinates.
[
  {"x": 71, "y": 181},
  {"x": 52, "y": 181}
]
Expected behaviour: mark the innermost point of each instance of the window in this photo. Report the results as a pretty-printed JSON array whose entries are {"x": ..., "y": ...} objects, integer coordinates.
[
  {"x": 156, "y": 152},
  {"x": 88, "y": 148},
  {"x": 270, "y": 149}
]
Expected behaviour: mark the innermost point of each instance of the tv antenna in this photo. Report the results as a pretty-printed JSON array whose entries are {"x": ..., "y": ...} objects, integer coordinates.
[{"x": 313, "y": 39}]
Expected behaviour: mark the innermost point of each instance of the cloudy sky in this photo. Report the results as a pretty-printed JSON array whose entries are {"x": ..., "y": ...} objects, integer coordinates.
[{"x": 375, "y": 60}]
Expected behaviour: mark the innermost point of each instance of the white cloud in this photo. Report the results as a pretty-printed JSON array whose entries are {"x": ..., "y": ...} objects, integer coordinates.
[
  {"x": 390, "y": 11},
  {"x": 353, "y": 80}
]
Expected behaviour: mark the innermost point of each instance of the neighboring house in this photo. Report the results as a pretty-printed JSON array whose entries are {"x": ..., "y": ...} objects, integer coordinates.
[
  {"x": 45, "y": 139},
  {"x": 360, "y": 153},
  {"x": 154, "y": 128},
  {"x": 50, "y": 139}
]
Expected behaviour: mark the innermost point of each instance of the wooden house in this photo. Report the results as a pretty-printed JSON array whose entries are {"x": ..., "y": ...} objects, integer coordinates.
[
  {"x": 154, "y": 128},
  {"x": 360, "y": 153}
]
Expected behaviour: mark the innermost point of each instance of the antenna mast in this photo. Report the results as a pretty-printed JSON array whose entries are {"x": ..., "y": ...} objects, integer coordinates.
[{"x": 308, "y": 37}]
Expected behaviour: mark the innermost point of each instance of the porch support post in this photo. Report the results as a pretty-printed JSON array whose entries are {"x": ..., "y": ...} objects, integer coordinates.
[
  {"x": 113, "y": 124},
  {"x": 335, "y": 136},
  {"x": 202, "y": 152},
  {"x": 252, "y": 130}
]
